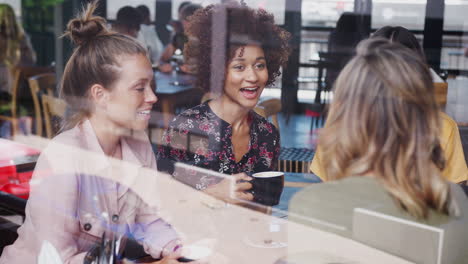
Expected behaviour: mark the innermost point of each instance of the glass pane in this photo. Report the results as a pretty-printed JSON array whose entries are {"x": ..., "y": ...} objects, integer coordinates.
[
  {"x": 176, "y": 3},
  {"x": 114, "y": 6},
  {"x": 453, "y": 53},
  {"x": 455, "y": 15},
  {"x": 324, "y": 13},
  {"x": 408, "y": 14},
  {"x": 276, "y": 7}
]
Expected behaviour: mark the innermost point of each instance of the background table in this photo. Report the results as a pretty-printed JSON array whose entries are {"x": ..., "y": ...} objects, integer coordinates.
[{"x": 170, "y": 94}]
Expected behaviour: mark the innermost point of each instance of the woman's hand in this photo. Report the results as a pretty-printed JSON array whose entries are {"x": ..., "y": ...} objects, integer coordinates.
[{"x": 232, "y": 190}]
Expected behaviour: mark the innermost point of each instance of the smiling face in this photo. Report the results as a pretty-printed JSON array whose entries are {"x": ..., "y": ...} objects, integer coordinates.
[
  {"x": 130, "y": 101},
  {"x": 246, "y": 76}
]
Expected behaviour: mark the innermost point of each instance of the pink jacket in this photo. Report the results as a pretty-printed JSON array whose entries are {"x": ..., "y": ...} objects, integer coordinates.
[{"x": 70, "y": 206}]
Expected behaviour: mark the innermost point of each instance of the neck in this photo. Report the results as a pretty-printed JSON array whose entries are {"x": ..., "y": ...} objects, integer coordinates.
[
  {"x": 107, "y": 134},
  {"x": 229, "y": 111}
]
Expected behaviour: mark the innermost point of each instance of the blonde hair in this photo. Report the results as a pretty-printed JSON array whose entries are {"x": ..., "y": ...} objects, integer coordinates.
[
  {"x": 11, "y": 35},
  {"x": 384, "y": 122}
]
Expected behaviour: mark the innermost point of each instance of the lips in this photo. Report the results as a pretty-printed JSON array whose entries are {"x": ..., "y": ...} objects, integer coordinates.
[
  {"x": 250, "y": 92},
  {"x": 145, "y": 114}
]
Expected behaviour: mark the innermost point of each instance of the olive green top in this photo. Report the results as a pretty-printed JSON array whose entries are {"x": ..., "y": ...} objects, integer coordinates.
[{"x": 330, "y": 207}]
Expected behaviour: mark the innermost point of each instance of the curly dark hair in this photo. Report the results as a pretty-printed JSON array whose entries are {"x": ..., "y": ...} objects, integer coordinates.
[{"x": 244, "y": 26}]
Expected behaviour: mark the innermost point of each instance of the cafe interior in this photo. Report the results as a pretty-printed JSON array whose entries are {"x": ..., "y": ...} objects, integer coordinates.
[{"x": 234, "y": 131}]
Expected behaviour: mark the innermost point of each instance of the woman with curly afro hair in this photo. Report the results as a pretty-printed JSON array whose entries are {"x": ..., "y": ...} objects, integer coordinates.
[{"x": 235, "y": 52}]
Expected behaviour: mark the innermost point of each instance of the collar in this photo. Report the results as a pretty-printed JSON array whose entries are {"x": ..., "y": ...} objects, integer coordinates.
[{"x": 97, "y": 163}]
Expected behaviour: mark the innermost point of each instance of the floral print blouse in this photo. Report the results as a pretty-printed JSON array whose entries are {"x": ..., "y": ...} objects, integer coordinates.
[{"x": 199, "y": 137}]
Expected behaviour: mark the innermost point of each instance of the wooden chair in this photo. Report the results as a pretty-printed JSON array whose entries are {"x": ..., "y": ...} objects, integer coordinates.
[
  {"x": 20, "y": 75},
  {"x": 270, "y": 108},
  {"x": 41, "y": 84},
  {"x": 53, "y": 107},
  {"x": 441, "y": 89}
]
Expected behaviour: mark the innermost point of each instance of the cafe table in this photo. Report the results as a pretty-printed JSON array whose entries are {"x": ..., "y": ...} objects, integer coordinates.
[
  {"x": 174, "y": 89},
  {"x": 236, "y": 234}
]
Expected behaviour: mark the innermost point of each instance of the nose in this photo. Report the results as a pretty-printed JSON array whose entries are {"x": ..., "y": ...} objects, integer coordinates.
[
  {"x": 150, "y": 96},
  {"x": 252, "y": 75}
]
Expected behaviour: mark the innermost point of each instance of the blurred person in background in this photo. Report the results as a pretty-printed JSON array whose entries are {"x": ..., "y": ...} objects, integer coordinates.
[
  {"x": 128, "y": 21},
  {"x": 176, "y": 47},
  {"x": 148, "y": 35},
  {"x": 176, "y": 25},
  {"x": 381, "y": 151},
  {"x": 15, "y": 48},
  {"x": 342, "y": 41}
]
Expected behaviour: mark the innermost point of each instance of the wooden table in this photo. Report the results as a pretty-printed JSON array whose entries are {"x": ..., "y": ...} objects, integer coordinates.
[{"x": 173, "y": 90}]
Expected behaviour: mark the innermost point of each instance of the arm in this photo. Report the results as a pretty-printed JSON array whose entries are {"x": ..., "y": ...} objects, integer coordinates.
[
  {"x": 167, "y": 53},
  {"x": 455, "y": 169},
  {"x": 51, "y": 211},
  {"x": 158, "y": 237}
]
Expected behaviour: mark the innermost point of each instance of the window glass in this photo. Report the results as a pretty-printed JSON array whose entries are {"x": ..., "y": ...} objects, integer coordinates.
[
  {"x": 324, "y": 13},
  {"x": 276, "y": 7},
  {"x": 176, "y": 3},
  {"x": 406, "y": 13},
  {"x": 114, "y": 6},
  {"x": 455, "y": 15}
]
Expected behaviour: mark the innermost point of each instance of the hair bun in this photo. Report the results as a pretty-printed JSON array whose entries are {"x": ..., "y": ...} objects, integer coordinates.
[{"x": 86, "y": 26}]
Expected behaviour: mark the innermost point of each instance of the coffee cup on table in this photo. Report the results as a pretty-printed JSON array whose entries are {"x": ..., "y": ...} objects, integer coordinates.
[{"x": 267, "y": 187}]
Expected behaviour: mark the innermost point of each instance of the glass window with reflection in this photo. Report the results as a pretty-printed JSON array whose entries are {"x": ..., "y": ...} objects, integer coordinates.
[{"x": 114, "y": 6}]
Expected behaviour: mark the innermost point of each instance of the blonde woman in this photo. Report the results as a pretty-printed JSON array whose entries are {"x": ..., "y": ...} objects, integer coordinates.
[
  {"x": 15, "y": 47},
  {"x": 381, "y": 149},
  {"x": 455, "y": 169},
  {"x": 73, "y": 201}
]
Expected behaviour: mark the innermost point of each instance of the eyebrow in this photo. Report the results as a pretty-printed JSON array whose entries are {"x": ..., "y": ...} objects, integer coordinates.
[
  {"x": 139, "y": 81},
  {"x": 242, "y": 59}
]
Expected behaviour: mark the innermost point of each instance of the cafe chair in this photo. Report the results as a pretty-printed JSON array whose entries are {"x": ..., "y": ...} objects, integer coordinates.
[
  {"x": 21, "y": 75},
  {"x": 54, "y": 111},
  {"x": 41, "y": 84}
]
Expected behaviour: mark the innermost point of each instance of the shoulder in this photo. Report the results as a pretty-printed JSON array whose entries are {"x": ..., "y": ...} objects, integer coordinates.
[
  {"x": 448, "y": 124},
  {"x": 70, "y": 138},
  {"x": 264, "y": 126},
  {"x": 62, "y": 152},
  {"x": 141, "y": 147},
  {"x": 197, "y": 114},
  {"x": 350, "y": 189}
]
